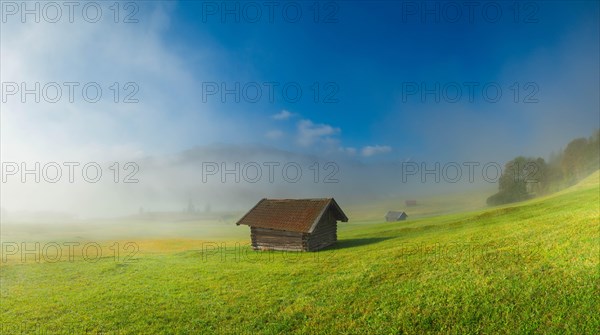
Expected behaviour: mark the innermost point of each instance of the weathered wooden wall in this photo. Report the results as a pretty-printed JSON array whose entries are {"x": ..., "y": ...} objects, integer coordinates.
[
  {"x": 270, "y": 239},
  {"x": 324, "y": 235}
]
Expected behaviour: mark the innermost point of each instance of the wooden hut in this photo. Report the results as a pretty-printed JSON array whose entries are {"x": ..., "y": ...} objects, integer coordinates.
[
  {"x": 293, "y": 224},
  {"x": 395, "y": 216}
]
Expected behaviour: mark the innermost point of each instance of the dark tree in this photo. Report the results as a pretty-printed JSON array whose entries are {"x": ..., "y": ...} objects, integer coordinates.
[
  {"x": 524, "y": 177},
  {"x": 521, "y": 178}
]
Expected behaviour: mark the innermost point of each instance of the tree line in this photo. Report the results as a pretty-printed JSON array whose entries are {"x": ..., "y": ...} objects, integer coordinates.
[{"x": 527, "y": 177}]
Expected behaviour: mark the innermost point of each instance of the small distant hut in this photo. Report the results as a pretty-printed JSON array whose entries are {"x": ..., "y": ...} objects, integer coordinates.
[
  {"x": 392, "y": 216},
  {"x": 410, "y": 202},
  {"x": 293, "y": 224}
]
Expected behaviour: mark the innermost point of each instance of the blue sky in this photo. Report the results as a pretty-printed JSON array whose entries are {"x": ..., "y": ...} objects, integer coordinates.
[
  {"x": 362, "y": 58},
  {"x": 370, "y": 52}
]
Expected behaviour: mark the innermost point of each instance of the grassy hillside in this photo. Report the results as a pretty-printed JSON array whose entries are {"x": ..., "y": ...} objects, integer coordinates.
[
  {"x": 527, "y": 268},
  {"x": 427, "y": 206}
]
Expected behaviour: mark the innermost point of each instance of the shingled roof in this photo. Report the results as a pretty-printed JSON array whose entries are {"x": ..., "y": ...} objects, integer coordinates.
[{"x": 298, "y": 215}]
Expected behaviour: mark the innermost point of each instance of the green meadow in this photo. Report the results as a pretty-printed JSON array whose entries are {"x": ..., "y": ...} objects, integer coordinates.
[{"x": 527, "y": 268}]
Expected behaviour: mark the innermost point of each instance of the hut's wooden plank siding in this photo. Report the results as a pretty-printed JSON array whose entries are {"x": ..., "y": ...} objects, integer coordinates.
[
  {"x": 325, "y": 233},
  {"x": 271, "y": 239}
]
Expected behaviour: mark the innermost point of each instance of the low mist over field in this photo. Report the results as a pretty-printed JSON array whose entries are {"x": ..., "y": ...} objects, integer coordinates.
[{"x": 229, "y": 178}]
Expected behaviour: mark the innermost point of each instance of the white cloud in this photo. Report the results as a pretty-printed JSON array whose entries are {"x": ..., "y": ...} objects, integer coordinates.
[
  {"x": 369, "y": 150},
  {"x": 283, "y": 115},
  {"x": 101, "y": 53},
  {"x": 274, "y": 134},
  {"x": 310, "y": 133}
]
